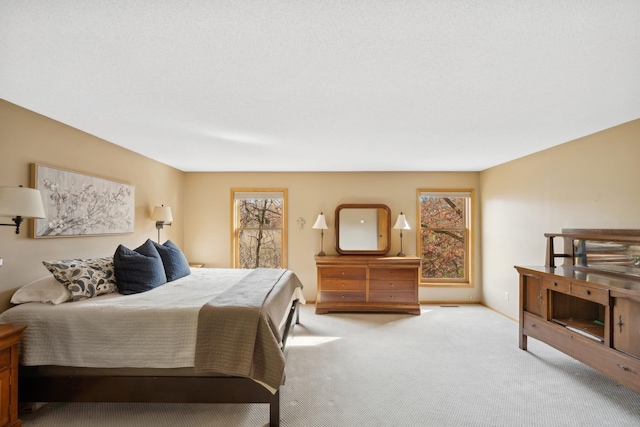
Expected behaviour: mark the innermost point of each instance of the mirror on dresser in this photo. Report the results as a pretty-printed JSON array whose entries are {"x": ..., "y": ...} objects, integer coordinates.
[{"x": 363, "y": 229}]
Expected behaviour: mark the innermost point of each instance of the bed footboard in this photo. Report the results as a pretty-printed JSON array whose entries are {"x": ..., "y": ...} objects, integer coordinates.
[{"x": 156, "y": 389}]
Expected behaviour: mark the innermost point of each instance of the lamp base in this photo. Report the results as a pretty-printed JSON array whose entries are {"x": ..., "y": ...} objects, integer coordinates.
[
  {"x": 321, "y": 253},
  {"x": 401, "y": 254}
]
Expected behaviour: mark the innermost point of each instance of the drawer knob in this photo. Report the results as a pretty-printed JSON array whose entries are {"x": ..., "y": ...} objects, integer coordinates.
[
  {"x": 391, "y": 284},
  {"x": 554, "y": 283},
  {"x": 587, "y": 292}
]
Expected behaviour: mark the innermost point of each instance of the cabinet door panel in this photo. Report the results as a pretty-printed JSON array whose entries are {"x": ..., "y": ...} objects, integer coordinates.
[
  {"x": 626, "y": 333},
  {"x": 534, "y": 299}
]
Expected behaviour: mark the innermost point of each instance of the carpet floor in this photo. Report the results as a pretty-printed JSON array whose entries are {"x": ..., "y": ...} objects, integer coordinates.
[{"x": 450, "y": 366}]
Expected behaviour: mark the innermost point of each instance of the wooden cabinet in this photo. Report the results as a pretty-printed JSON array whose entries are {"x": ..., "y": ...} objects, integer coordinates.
[
  {"x": 10, "y": 337},
  {"x": 588, "y": 308},
  {"x": 367, "y": 283}
]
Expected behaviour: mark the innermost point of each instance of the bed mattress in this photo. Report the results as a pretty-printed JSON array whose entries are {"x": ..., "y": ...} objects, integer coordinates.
[{"x": 153, "y": 329}]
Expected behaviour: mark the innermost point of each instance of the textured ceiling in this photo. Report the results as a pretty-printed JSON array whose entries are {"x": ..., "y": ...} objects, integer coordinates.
[{"x": 302, "y": 85}]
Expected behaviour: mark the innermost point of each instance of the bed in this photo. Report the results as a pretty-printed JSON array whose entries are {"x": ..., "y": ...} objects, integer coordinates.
[{"x": 213, "y": 336}]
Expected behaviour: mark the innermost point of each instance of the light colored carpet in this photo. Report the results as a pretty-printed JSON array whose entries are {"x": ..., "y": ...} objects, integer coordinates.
[{"x": 450, "y": 366}]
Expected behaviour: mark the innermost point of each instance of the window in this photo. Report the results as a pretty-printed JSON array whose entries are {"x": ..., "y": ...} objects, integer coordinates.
[
  {"x": 443, "y": 237},
  {"x": 259, "y": 228}
]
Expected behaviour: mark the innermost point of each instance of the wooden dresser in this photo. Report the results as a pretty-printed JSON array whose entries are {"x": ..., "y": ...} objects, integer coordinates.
[
  {"x": 589, "y": 307},
  {"x": 10, "y": 337},
  {"x": 367, "y": 283}
]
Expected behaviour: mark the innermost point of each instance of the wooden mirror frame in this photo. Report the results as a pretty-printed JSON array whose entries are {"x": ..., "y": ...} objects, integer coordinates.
[{"x": 385, "y": 228}]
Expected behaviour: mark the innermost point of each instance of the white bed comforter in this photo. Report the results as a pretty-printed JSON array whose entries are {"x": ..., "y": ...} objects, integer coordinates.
[{"x": 154, "y": 329}]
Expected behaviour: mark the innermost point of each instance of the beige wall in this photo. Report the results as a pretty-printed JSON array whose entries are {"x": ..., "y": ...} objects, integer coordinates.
[
  {"x": 200, "y": 203},
  {"x": 208, "y": 212},
  {"x": 592, "y": 182},
  {"x": 26, "y": 137}
]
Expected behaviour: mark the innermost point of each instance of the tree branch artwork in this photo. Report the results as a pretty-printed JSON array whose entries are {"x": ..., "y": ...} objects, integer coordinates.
[{"x": 82, "y": 205}]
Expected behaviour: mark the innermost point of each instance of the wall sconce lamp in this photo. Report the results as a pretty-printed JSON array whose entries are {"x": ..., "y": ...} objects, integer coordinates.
[
  {"x": 401, "y": 224},
  {"x": 321, "y": 225},
  {"x": 19, "y": 203},
  {"x": 162, "y": 216}
]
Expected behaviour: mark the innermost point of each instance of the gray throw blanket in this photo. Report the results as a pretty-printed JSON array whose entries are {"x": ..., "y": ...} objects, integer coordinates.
[{"x": 238, "y": 330}]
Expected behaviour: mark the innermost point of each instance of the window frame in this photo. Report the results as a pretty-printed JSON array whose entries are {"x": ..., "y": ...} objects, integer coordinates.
[
  {"x": 467, "y": 281},
  {"x": 235, "y": 253}
]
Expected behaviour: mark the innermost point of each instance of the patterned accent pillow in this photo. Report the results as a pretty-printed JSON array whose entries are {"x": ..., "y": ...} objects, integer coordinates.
[
  {"x": 85, "y": 278},
  {"x": 174, "y": 261}
]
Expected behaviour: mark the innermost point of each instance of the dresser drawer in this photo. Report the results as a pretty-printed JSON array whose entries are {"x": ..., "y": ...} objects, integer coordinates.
[
  {"x": 392, "y": 274},
  {"x": 343, "y": 285},
  {"x": 392, "y": 297},
  {"x": 344, "y": 273},
  {"x": 334, "y": 296},
  {"x": 556, "y": 285},
  {"x": 622, "y": 368},
  {"x": 392, "y": 285},
  {"x": 601, "y": 296}
]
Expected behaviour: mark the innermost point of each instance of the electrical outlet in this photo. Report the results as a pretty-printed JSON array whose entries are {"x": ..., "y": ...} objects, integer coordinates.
[
  {"x": 1, "y": 262},
  {"x": 506, "y": 296}
]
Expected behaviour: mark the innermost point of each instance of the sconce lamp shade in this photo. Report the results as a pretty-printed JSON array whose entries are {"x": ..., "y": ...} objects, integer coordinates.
[
  {"x": 21, "y": 201},
  {"x": 162, "y": 216},
  {"x": 18, "y": 203},
  {"x": 401, "y": 223},
  {"x": 321, "y": 223},
  {"x": 162, "y": 213}
]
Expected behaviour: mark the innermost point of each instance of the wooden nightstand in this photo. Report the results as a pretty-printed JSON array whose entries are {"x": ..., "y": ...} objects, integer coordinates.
[{"x": 10, "y": 336}]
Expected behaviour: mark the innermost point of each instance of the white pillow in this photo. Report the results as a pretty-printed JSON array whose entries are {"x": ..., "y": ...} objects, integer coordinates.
[{"x": 46, "y": 289}]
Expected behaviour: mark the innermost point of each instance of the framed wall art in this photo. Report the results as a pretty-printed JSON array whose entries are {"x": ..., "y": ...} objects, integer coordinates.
[{"x": 77, "y": 204}]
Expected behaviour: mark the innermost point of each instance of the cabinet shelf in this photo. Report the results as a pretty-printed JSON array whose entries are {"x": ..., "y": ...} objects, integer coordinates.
[{"x": 587, "y": 328}]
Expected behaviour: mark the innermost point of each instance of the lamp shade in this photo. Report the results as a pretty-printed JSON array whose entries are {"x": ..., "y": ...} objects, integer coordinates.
[
  {"x": 401, "y": 223},
  {"x": 162, "y": 213},
  {"x": 21, "y": 201},
  {"x": 321, "y": 223}
]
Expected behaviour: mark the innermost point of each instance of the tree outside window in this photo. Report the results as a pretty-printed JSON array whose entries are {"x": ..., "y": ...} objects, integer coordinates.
[
  {"x": 444, "y": 235},
  {"x": 259, "y": 232}
]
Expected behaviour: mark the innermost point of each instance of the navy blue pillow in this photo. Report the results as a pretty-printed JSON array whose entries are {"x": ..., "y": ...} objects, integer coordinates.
[
  {"x": 138, "y": 270},
  {"x": 175, "y": 263}
]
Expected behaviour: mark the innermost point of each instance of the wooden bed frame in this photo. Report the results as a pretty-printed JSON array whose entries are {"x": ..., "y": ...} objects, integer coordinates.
[{"x": 158, "y": 389}]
